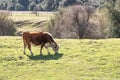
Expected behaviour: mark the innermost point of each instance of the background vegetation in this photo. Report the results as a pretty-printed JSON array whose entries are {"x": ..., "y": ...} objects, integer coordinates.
[
  {"x": 82, "y": 21},
  {"x": 42, "y": 5},
  {"x": 80, "y": 18},
  {"x": 6, "y": 25}
]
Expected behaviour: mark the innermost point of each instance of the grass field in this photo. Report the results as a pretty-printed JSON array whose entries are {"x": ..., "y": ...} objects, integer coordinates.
[
  {"x": 84, "y": 59},
  {"x": 27, "y": 21},
  {"x": 28, "y": 15}
]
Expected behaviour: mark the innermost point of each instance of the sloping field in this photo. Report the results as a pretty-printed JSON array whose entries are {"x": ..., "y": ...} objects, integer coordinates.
[
  {"x": 77, "y": 60},
  {"x": 29, "y": 15},
  {"x": 29, "y": 21}
]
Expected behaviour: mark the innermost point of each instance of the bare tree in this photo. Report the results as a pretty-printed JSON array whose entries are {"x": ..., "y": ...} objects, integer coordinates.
[
  {"x": 71, "y": 22},
  {"x": 79, "y": 22},
  {"x": 81, "y": 18}
]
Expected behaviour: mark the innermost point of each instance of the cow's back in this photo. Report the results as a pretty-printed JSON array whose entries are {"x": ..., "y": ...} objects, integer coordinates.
[
  {"x": 37, "y": 37},
  {"x": 48, "y": 37}
]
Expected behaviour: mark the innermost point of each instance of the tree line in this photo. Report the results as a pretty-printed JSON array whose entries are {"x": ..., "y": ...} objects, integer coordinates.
[{"x": 40, "y": 5}]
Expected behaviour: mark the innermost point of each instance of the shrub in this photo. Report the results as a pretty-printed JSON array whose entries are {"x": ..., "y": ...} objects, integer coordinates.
[
  {"x": 6, "y": 25},
  {"x": 115, "y": 23},
  {"x": 114, "y": 17},
  {"x": 80, "y": 22},
  {"x": 19, "y": 7},
  {"x": 71, "y": 22}
]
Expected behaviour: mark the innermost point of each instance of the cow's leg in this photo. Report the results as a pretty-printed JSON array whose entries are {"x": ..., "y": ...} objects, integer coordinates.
[
  {"x": 42, "y": 45},
  {"x": 47, "y": 50},
  {"x": 24, "y": 48},
  {"x": 29, "y": 47}
]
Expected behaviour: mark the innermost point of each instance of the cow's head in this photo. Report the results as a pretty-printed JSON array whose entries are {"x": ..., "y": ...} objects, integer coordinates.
[{"x": 55, "y": 47}]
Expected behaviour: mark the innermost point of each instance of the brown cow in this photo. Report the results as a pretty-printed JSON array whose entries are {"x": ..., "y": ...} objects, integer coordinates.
[{"x": 44, "y": 39}]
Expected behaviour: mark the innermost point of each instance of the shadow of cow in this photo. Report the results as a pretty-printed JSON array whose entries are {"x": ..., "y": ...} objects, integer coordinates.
[{"x": 46, "y": 57}]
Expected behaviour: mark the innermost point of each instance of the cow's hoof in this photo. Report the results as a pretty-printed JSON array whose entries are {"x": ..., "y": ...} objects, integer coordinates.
[
  {"x": 48, "y": 53},
  {"x": 31, "y": 54},
  {"x": 24, "y": 52},
  {"x": 40, "y": 54},
  {"x": 56, "y": 53}
]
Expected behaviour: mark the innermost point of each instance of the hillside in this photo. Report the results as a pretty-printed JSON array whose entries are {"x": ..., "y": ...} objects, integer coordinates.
[
  {"x": 84, "y": 59},
  {"x": 27, "y": 21}
]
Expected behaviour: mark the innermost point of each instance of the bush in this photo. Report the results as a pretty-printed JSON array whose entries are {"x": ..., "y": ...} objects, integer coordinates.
[
  {"x": 114, "y": 18},
  {"x": 115, "y": 23},
  {"x": 32, "y": 6},
  {"x": 47, "y": 5},
  {"x": 71, "y": 22},
  {"x": 80, "y": 22},
  {"x": 19, "y": 7},
  {"x": 6, "y": 25}
]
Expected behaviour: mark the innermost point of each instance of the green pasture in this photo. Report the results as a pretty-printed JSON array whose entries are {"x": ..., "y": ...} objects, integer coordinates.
[{"x": 78, "y": 59}]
